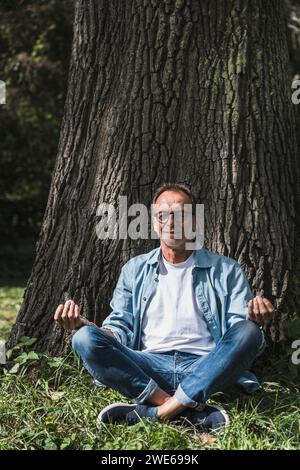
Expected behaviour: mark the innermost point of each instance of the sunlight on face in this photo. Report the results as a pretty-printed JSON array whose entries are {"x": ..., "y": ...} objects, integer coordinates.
[{"x": 169, "y": 217}]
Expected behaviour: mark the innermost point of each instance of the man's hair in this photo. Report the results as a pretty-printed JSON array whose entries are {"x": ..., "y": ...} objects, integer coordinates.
[{"x": 175, "y": 187}]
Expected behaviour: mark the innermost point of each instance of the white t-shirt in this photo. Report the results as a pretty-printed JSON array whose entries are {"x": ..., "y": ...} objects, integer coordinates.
[{"x": 173, "y": 320}]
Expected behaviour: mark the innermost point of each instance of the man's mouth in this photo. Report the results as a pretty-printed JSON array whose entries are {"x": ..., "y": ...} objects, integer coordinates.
[{"x": 168, "y": 234}]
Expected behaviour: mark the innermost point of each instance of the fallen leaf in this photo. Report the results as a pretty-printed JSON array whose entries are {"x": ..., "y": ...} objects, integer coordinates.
[
  {"x": 207, "y": 438},
  {"x": 55, "y": 396}
]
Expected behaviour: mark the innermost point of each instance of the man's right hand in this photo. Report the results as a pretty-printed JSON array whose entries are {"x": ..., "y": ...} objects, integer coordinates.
[{"x": 68, "y": 316}]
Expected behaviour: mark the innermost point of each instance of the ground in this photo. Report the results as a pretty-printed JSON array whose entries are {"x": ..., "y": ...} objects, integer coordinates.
[{"x": 50, "y": 403}]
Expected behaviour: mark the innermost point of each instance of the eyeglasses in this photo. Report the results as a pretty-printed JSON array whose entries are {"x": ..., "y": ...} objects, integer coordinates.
[{"x": 179, "y": 215}]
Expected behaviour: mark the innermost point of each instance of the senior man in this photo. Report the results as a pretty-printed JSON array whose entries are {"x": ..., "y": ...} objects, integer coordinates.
[{"x": 184, "y": 324}]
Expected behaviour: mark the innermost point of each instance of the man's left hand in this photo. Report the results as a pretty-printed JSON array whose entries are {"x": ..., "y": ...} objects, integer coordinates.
[{"x": 260, "y": 310}]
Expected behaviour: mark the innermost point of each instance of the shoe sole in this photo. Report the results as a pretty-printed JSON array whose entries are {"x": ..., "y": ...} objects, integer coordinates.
[{"x": 109, "y": 407}]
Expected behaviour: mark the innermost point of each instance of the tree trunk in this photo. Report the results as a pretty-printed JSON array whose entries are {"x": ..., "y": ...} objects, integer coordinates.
[
  {"x": 184, "y": 91},
  {"x": 293, "y": 35}
]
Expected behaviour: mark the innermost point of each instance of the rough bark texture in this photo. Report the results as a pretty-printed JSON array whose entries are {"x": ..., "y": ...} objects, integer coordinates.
[
  {"x": 293, "y": 35},
  {"x": 185, "y": 91}
]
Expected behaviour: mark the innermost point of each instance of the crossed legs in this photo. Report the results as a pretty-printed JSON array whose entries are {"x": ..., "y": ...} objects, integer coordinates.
[{"x": 131, "y": 373}]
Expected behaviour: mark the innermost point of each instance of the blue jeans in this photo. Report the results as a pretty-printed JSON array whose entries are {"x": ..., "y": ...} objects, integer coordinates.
[{"x": 189, "y": 377}]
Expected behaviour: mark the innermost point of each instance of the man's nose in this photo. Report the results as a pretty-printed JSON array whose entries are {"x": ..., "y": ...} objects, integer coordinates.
[{"x": 170, "y": 222}]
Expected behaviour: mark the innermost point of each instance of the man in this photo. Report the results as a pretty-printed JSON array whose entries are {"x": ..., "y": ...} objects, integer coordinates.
[{"x": 184, "y": 325}]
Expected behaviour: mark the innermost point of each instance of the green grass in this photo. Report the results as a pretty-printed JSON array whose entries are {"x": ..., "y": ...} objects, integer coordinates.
[
  {"x": 10, "y": 302},
  {"x": 50, "y": 403}
]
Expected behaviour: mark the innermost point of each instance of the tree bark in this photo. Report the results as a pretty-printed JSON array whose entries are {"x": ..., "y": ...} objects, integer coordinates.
[
  {"x": 186, "y": 91},
  {"x": 293, "y": 36}
]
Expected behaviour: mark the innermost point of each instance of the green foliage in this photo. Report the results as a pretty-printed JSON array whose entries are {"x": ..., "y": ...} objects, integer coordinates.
[{"x": 35, "y": 41}]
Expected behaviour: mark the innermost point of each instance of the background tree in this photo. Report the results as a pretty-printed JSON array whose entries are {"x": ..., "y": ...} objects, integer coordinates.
[
  {"x": 35, "y": 44},
  {"x": 186, "y": 91}
]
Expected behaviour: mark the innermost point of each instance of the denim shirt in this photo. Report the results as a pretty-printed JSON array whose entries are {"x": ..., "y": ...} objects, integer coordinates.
[{"x": 222, "y": 292}]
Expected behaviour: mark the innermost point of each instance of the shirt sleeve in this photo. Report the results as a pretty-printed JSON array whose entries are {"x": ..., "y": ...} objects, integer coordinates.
[
  {"x": 239, "y": 295},
  {"x": 120, "y": 320}
]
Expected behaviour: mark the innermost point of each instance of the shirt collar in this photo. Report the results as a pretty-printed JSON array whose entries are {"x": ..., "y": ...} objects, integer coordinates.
[{"x": 202, "y": 258}]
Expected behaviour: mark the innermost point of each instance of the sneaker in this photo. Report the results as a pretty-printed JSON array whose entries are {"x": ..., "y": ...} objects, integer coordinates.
[
  {"x": 125, "y": 413},
  {"x": 211, "y": 418}
]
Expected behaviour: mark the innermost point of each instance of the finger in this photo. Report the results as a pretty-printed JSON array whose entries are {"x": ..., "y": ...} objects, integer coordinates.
[
  {"x": 71, "y": 314},
  {"x": 268, "y": 309},
  {"x": 58, "y": 312},
  {"x": 71, "y": 310},
  {"x": 64, "y": 316},
  {"x": 255, "y": 306},
  {"x": 261, "y": 306},
  {"x": 258, "y": 317},
  {"x": 77, "y": 317},
  {"x": 263, "y": 311},
  {"x": 268, "y": 305},
  {"x": 66, "y": 309},
  {"x": 77, "y": 313}
]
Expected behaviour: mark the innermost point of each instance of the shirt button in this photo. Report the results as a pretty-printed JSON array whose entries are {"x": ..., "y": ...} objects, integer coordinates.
[{"x": 144, "y": 298}]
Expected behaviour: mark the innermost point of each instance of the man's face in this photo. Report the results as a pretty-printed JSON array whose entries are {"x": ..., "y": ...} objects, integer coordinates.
[{"x": 171, "y": 218}]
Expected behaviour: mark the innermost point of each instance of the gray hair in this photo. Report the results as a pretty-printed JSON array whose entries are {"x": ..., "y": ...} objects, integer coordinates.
[{"x": 175, "y": 187}]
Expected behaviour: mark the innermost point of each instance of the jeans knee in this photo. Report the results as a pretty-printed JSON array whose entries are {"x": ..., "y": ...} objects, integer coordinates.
[
  {"x": 81, "y": 338},
  {"x": 86, "y": 340},
  {"x": 249, "y": 333}
]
